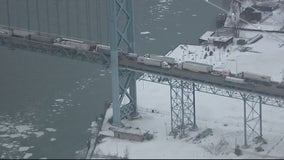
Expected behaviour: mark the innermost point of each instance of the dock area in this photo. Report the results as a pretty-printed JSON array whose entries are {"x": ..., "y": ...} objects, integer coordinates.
[{"x": 270, "y": 20}]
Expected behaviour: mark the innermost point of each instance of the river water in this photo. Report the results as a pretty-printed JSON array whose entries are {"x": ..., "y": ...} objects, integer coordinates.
[{"x": 47, "y": 103}]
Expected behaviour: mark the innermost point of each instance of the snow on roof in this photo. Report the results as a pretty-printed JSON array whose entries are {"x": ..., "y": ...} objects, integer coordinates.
[
  {"x": 206, "y": 35},
  {"x": 221, "y": 38}
]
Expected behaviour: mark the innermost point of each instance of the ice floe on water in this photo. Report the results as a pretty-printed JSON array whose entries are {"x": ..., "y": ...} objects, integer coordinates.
[
  {"x": 23, "y": 128},
  {"x": 60, "y": 100},
  {"x": 24, "y": 148},
  {"x": 27, "y": 155},
  {"x": 52, "y": 139},
  {"x": 50, "y": 129},
  {"x": 145, "y": 32}
]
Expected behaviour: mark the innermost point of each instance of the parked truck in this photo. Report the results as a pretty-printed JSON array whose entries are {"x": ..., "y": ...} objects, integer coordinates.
[
  {"x": 196, "y": 67},
  {"x": 255, "y": 77},
  {"x": 153, "y": 62},
  {"x": 234, "y": 80},
  {"x": 169, "y": 60},
  {"x": 41, "y": 38}
]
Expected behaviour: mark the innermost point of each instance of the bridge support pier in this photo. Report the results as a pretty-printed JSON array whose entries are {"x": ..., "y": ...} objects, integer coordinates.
[
  {"x": 182, "y": 96},
  {"x": 252, "y": 118},
  {"x": 128, "y": 96}
]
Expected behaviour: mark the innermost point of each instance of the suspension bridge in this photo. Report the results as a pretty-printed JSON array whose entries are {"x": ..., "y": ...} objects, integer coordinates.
[{"x": 183, "y": 83}]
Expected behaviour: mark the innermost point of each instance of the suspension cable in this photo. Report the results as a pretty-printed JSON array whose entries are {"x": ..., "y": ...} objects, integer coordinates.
[
  {"x": 77, "y": 18},
  {"x": 28, "y": 14},
  {"x": 98, "y": 20},
  {"x": 8, "y": 13},
  {"x": 37, "y": 16},
  {"x": 47, "y": 15},
  {"x": 87, "y": 5},
  {"x": 58, "y": 18},
  {"x": 67, "y": 17}
]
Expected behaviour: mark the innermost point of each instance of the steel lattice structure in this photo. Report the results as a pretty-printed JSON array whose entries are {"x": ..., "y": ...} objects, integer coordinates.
[
  {"x": 183, "y": 113},
  {"x": 182, "y": 106}
]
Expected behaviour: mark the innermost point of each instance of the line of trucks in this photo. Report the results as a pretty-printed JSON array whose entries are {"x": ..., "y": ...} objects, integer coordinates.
[
  {"x": 147, "y": 59},
  {"x": 57, "y": 41}
]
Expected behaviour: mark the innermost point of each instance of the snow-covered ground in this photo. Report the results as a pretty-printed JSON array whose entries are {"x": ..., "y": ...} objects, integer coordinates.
[{"x": 226, "y": 115}]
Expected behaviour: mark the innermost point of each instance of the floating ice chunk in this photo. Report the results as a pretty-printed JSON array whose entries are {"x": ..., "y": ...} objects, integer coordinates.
[
  {"x": 102, "y": 74},
  {"x": 59, "y": 100},
  {"x": 23, "y": 149},
  {"x": 50, "y": 129},
  {"x": 152, "y": 39},
  {"x": 8, "y": 146},
  {"x": 4, "y": 135},
  {"x": 27, "y": 155},
  {"x": 52, "y": 139},
  {"x": 145, "y": 32},
  {"x": 3, "y": 128},
  {"x": 15, "y": 135},
  {"x": 23, "y": 128},
  {"x": 39, "y": 134},
  {"x": 194, "y": 15}
]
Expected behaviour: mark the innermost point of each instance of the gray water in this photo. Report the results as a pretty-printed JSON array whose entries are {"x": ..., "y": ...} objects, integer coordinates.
[{"x": 47, "y": 103}]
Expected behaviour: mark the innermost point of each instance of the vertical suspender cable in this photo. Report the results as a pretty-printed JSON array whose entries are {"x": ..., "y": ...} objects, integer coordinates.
[
  {"x": 102, "y": 22},
  {"x": 67, "y": 17},
  {"x": 98, "y": 21},
  {"x": 58, "y": 18},
  {"x": 8, "y": 13},
  {"x": 28, "y": 14},
  {"x": 88, "y": 24},
  {"x": 47, "y": 15},
  {"x": 37, "y": 16},
  {"x": 77, "y": 17},
  {"x": 107, "y": 22}
]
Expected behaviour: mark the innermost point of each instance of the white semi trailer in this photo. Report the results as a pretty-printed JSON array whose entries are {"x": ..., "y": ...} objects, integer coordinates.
[
  {"x": 153, "y": 62},
  {"x": 196, "y": 67},
  {"x": 234, "y": 80},
  {"x": 255, "y": 77},
  {"x": 169, "y": 60}
]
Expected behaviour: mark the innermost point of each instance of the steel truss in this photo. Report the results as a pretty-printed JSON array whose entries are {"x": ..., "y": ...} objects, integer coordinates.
[
  {"x": 252, "y": 117},
  {"x": 182, "y": 95},
  {"x": 183, "y": 115},
  {"x": 122, "y": 39}
]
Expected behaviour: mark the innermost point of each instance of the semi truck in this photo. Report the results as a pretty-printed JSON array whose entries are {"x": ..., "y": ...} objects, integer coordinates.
[
  {"x": 169, "y": 60},
  {"x": 196, "y": 67},
  {"x": 248, "y": 76},
  {"x": 234, "y": 80},
  {"x": 153, "y": 62}
]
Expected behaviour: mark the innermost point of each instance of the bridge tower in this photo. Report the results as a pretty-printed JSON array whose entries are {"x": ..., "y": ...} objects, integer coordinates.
[
  {"x": 252, "y": 118},
  {"x": 122, "y": 39},
  {"x": 182, "y": 94}
]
